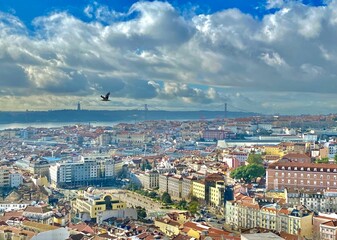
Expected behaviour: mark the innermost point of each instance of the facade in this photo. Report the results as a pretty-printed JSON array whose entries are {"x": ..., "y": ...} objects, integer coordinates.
[
  {"x": 149, "y": 180},
  {"x": 15, "y": 179},
  {"x": 42, "y": 214},
  {"x": 5, "y": 207},
  {"x": 163, "y": 182},
  {"x": 93, "y": 204},
  {"x": 245, "y": 214},
  {"x": 199, "y": 189},
  {"x": 4, "y": 177},
  {"x": 324, "y": 202},
  {"x": 186, "y": 187},
  {"x": 86, "y": 171},
  {"x": 168, "y": 226},
  {"x": 217, "y": 194},
  {"x": 297, "y": 176},
  {"x": 328, "y": 230},
  {"x": 174, "y": 187}
]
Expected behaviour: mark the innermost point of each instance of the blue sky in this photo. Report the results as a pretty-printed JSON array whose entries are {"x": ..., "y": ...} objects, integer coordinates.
[
  {"x": 268, "y": 56},
  {"x": 75, "y": 7}
]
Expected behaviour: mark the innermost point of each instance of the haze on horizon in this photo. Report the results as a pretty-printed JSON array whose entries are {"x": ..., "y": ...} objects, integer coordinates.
[{"x": 266, "y": 56}]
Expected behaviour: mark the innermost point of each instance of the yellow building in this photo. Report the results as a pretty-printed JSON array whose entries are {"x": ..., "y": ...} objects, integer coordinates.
[
  {"x": 301, "y": 224},
  {"x": 92, "y": 203},
  {"x": 217, "y": 194},
  {"x": 199, "y": 189},
  {"x": 274, "y": 150},
  {"x": 168, "y": 226}
]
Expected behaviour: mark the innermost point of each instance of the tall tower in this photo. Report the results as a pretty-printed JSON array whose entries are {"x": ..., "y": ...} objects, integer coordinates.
[
  {"x": 146, "y": 109},
  {"x": 78, "y": 106},
  {"x": 225, "y": 113}
]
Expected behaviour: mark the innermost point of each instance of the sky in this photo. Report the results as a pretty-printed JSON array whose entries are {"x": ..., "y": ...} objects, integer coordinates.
[{"x": 263, "y": 56}]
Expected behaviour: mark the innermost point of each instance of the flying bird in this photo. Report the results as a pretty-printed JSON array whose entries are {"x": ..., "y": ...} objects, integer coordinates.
[{"x": 106, "y": 97}]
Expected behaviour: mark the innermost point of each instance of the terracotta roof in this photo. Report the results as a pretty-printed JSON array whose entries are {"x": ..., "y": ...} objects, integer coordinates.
[
  {"x": 37, "y": 209},
  {"x": 40, "y": 226},
  {"x": 332, "y": 223}
]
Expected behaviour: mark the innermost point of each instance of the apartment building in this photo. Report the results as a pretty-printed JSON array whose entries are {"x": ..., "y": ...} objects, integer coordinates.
[
  {"x": 328, "y": 230},
  {"x": 175, "y": 186},
  {"x": 15, "y": 179},
  {"x": 324, "y": 201},
  {"x": 149, "y": 180},
  {"x": 245, "y": 214},
  {"x": 43, "y": 214},
  {"x": 217, "y": 194},
  {"x": 199, "y": 189},
  {"x": 187, "y": 186},
  {"x": 300, "y": 176},
  {"x": 4, "y": 177},
  {"x": 163, "y": 182},
  {"x": 95, "y": 169}
]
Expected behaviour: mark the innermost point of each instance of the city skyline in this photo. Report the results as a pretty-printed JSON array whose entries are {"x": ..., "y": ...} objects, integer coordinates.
[{"x": 261, "y": 56}]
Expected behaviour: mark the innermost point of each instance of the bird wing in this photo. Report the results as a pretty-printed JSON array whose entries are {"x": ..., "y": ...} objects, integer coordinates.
[
  {"x": 107, "y": 95},
  {"x": 102, "y": 96}
]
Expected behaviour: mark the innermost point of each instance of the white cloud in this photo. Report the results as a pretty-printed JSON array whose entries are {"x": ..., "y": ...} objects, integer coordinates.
[{"x": 152, "y": 53}]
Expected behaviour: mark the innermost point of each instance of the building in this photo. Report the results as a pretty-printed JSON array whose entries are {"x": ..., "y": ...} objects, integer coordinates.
[
  {"x": 246, "y": 213},
  {"x": 42, "y": 214},
  {"x": 163, "y": 182},
  {"x": 168, "y": 226},
  {"x": 6, "y": 207},
  {"x": 4, "y": 177},
  {"x": 88, "y": 170},
  {"x": 199, "y": 189},
  {"x": 175, "y": 186},
  {"x": 186, "y": 187},
  {"x": 328, "y": 230},
  {"x": 323, "y": 202},
  {"x": 92, "y": 204},
  {"x": 217, "y": 194},
  {"x": 300, "y": 176},
  {"x": 149, "y": 180},
  {"x": 15, "y": 179}
]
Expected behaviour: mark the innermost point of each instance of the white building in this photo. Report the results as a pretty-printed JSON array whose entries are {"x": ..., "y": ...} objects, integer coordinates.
[
  {"x": 7, "y": 207},
  {"x": 15, "y": 179},
  {"x": 92, "y": 169}
]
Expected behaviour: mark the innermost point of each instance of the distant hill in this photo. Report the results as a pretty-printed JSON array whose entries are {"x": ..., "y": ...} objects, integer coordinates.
[{"x": 108, "y": 116}]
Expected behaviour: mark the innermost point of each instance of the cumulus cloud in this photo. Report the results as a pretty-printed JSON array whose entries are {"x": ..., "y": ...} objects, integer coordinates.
[{"x": 152, "y": 53}]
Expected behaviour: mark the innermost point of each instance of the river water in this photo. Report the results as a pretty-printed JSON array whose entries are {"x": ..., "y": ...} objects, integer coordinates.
[{"x": 53, "y": 124}]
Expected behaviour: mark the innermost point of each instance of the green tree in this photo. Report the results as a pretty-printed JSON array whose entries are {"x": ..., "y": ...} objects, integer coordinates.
[
  {"x": 193, "y": 207},
  {"x": 182, "y": 205},
  {"x": 238, "y": 173},
  {"x": 248, "y": 173},
  {"x": 254, "y": 171},
  {"x": 141, "y": 213},
  {"x": 255, "y": 158},
  {"x": 323, "y": 160},
  {"x": 166, "y": 198},
  {"x": 152, "y": 194},
  {"x": 335, "y": 158}
]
